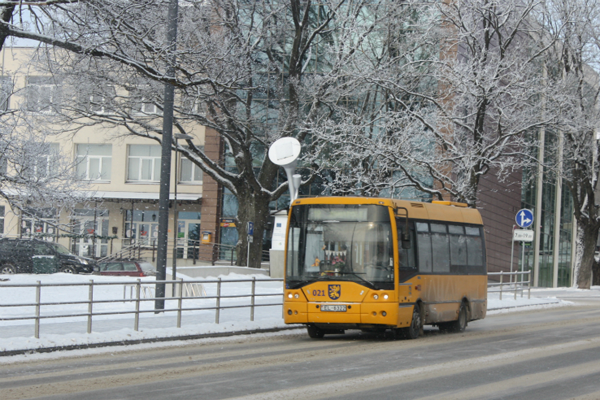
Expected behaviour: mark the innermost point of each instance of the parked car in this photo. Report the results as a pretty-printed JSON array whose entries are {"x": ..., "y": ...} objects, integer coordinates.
[
  {"x": 127, "y": 268},
  {"x": 39, "y": 256}
]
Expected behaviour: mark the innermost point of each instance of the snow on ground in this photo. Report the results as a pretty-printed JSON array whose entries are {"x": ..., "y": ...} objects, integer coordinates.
[{"x": 72, "y": 331}]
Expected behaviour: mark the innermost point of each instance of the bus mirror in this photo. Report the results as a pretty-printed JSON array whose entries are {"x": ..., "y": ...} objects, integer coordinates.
[{"x": 405, "y": 241}]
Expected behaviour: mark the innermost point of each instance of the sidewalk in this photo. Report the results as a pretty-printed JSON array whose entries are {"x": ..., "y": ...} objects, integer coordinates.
[{"x": 17, "y": 337}]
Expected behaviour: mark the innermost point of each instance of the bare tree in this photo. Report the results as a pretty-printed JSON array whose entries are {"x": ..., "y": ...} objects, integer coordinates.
[
  {"x": 32, "y": 170},
  {"x": 474, "y": 94},
  {"x": 575, "y": 86},
  {"x": 251, "y": 71}
]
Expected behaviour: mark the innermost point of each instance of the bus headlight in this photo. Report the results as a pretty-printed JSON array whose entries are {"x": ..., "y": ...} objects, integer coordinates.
[
  {"x": 296, "y": 296},
  {"x": 289, "y": 296},
  {"x": 376, "y": 296},
  {"x": 385, "y": 296}
]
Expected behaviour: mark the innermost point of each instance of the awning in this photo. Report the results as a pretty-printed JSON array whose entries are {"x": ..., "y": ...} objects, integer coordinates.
[{"x": 105, "y": 195}]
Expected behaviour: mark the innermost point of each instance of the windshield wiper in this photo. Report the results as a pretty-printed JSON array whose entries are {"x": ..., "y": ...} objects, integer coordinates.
[
  {"x": 357, "y": 274},
  {"x": 302, "y": 283}
]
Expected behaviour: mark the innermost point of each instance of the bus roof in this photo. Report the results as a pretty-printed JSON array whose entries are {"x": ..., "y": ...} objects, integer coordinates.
[{"x": 442, "y": 211}]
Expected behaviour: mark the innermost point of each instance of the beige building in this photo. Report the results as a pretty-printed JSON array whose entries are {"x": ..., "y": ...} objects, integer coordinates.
[{"x": 122, "y": 173}]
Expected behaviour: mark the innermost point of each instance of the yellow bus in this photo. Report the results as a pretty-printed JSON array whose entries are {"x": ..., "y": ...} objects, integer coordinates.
[{"x": 379, "y": 264}]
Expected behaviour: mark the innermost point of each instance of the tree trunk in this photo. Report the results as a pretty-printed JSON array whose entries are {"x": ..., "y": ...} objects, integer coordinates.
[
  {"x": 588, "y": 236},
  {"x": 255, "y": 209}
]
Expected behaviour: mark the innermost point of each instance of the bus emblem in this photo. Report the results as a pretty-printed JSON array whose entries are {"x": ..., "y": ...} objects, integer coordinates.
[{"x": 335, "y": 291}]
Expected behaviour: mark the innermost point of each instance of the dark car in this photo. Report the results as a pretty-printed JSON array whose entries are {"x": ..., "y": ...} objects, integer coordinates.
[
  {"x": 127, "y": 268},
  {"x": 39, "y": 256}
]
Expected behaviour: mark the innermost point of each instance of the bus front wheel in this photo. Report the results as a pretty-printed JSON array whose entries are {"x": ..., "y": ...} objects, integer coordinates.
[
  {"x": 314, "y": 332},
  {"x": 413, "y": 331}
]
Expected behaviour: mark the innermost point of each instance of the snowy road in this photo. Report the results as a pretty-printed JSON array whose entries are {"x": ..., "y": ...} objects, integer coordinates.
[{"x": 551, "y": 353}]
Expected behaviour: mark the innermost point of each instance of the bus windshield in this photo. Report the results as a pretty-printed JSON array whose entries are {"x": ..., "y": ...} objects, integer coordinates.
[{"x": 340, "y": 242}]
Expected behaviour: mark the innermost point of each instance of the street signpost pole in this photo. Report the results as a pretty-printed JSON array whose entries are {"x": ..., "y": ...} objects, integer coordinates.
[
  {"x": 250, "y": 232},
  {"x": 512, "y": 252},
  {"x": 524, "y": 219}
]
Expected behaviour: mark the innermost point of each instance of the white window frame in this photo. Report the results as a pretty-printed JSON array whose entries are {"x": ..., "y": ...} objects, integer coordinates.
[
  {"x": 50, "y": 159},
  {"x": 6, "y": 87},
  {"x": 99, "y": 102},
  {"x": 147, "y": 108},
  {"x": 142, "y": 161},
  {"x": 186, "y": 163},
  {"x": 104, "y": 162},
  {"x": 41, "y": 86}
]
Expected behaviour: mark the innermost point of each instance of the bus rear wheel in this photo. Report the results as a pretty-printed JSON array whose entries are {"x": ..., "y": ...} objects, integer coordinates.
[
  {"x": 314, "y": 332},
  {"x": 460, "y": 324}
]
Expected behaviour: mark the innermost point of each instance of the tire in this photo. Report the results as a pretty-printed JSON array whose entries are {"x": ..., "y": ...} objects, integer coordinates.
[
  {"x": 416, "y": 324},
  {"x": 461, "y": 322},
  {"x": 68, "y": 270},
  {"x": 314, "y": 332},
  {"x": 8, "y": 269}
]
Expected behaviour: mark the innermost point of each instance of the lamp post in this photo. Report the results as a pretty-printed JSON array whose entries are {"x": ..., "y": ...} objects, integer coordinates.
[
  {"x": 165, "y": 169},
  {"x": 177, "y": 136}
]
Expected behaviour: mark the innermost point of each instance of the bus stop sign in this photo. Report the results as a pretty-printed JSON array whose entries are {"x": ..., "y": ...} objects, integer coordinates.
[{"x": 524, "y": 218}]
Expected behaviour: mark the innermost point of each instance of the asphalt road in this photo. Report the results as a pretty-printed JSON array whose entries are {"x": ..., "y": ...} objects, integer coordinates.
[{"x": 543, "y": 354}]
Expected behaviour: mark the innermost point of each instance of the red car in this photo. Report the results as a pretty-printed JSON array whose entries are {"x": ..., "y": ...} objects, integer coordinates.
[{"x": 127, "y": 268}]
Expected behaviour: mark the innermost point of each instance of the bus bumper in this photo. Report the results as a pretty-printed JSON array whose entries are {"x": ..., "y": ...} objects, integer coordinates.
[{"x": 386, "y": 314}]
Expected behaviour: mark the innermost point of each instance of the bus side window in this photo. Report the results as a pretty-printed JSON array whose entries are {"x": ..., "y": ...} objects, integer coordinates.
[
  {"x": 440, "y": 245},
  {"x": 407, "y": 256},
  {"x": 458, "y": 249},
  {"x": 424, "y": 247},
  {"x": 474, "y": 249}
]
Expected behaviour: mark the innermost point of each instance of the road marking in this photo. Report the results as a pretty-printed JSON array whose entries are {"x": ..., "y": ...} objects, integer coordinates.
[
  {"x": 365, "y": 383},
  {"x": 513, "y": 386}
]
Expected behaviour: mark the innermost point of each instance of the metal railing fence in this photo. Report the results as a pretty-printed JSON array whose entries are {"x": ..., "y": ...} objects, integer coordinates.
[
  {"x": 138, "y": 300},
  {"x": 193, "y": 250},
  {"x": 510, "y": 283}
]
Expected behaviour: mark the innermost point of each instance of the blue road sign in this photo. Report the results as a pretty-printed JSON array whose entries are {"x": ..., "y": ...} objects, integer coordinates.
[
  {"x": 524, "y": 218},
  {"x": 250, "y": 228}
]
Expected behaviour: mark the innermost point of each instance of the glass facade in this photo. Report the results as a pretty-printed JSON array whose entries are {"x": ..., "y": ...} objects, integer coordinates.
[{"x": 547, "y": 225}]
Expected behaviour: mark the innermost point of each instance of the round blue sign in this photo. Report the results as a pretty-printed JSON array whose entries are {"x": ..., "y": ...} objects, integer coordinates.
[{"x": 524, "y": 218}]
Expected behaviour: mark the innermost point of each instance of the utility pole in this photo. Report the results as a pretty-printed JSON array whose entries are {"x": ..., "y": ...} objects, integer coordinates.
[{"x": 165, "y": 168}]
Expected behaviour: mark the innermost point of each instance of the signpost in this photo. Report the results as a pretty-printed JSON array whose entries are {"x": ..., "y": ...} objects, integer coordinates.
[
  {"x": 524, "y": 219},
  {"x": 250, "y": 230}
]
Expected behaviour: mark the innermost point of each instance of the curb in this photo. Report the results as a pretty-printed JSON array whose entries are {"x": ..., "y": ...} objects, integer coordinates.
[
  {"x": 176, "y": 338},
  {"x": 141, "y": 341},
  {"x": 521, "y": 306}
]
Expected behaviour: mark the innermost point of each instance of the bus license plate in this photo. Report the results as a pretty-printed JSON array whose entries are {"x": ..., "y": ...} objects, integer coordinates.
[{"x": 336, "y": 308}]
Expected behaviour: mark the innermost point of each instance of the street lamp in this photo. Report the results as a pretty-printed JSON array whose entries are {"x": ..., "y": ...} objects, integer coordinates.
[
  {"x": 177, "y": 136},
  {"x": 165, "y": 165}
]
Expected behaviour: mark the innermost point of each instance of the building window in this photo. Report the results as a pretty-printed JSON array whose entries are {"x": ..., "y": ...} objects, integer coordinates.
[
  {"x": 143, "y": 102},
  {"x": 42, "y": 94},
  {"x": 143, "y": 163},
  {"x": 40, "y": 223},
  {"x": 44, "y": 163},
  {"x": 6, "y": 86},
  {"x": 141, "y": 226},
  {"x": 190, "y": 172},
  {"x": 146, "y": 107},
  {"x": 94, "y": 161},
  {"x": 100, "y": 101},
  {"x": 3, "y": 165}
]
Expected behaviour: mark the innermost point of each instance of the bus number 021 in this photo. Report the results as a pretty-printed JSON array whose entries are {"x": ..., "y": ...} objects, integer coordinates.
[{"x": 318, "y": 293}]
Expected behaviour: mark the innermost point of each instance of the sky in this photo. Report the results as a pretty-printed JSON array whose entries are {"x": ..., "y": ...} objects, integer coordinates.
[{"x": 19, "y": 335}]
